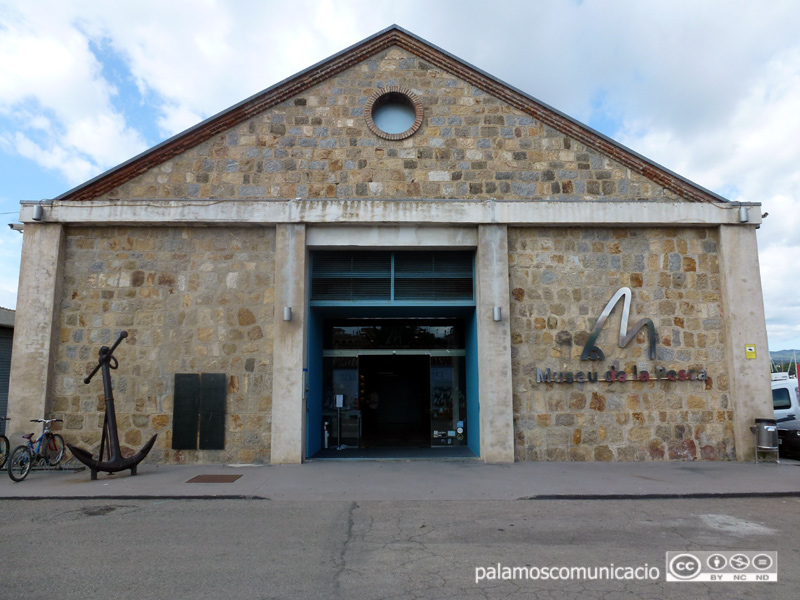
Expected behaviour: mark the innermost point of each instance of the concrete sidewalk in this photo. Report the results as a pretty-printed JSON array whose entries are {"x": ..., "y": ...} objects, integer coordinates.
[{"x": 422, "y": 480}]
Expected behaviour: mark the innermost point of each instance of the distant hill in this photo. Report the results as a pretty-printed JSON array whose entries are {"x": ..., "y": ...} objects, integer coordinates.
[{"x": 784, "y": 355}]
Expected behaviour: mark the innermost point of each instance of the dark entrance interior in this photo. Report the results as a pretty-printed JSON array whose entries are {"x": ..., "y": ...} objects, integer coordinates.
[
  {"x": 396, "y": 406},
  {"x": 391, "y": 388}
]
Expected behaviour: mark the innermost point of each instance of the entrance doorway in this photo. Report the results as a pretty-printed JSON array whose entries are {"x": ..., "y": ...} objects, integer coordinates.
[
  {"x": 396, "y": 400},
  {"x": 393, "y": 388}
]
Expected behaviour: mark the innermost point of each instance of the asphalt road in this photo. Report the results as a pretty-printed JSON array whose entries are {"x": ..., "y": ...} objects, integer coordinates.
[{"x": 261, "y": 549}]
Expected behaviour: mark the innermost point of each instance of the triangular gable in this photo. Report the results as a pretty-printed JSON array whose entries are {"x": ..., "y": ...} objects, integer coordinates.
[{"x": 324, "y": 70}]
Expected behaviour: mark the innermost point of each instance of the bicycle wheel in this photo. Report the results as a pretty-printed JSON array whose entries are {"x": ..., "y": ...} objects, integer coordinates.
[
  {"x": 53, "y": 449},
  {"x": 3, "y": 450},
  {"x": 19, "y": 463}
]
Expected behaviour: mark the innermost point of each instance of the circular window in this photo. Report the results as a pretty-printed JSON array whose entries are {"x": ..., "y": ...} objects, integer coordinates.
[{"x": 393, "y": 113}]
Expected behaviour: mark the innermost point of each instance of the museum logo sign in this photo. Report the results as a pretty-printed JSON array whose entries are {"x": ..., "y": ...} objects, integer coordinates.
[{"x": 592, "y": 352}]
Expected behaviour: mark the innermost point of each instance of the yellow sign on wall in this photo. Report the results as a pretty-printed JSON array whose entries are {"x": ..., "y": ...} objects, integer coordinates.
[{"x": 749, "y": 350}]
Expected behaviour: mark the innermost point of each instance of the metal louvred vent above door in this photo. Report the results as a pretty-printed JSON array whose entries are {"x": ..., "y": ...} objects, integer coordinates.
[
  {"x": 351, "y": 276},
  {"x": 435, "y": 276},
  {"x": 387, "y": 277}
]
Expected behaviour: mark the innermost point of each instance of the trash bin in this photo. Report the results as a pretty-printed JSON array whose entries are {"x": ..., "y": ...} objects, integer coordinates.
[{"x": 766, "y": 432}]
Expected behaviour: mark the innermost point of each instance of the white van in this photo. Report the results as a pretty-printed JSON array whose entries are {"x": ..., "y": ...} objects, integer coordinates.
[{"x": 785, "y": 397}]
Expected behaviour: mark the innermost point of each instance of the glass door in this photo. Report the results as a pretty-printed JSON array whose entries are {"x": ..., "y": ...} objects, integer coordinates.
[{"x": 448, "y": 401}]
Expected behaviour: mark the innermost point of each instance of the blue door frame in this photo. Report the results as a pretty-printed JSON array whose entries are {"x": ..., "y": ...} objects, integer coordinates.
[{"x": 316, "y": 318}]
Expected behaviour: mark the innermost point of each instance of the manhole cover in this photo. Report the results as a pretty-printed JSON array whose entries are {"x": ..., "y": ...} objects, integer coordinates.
[{"x": 214, "y": 479}]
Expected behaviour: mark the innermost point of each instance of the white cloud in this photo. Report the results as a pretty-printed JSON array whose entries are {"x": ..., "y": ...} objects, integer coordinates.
[
  {"x": 212, "y": 55},
  {"x": 779, "y": 255},
  {"x": 105, "y": 137},
  {"x": 51, "y": 71},
  {"x": 51, "y": 87},
  {"x": 75, "y": 167},
  {"x": 177, "y": 118},
  {"x": 10, "y": 252}
]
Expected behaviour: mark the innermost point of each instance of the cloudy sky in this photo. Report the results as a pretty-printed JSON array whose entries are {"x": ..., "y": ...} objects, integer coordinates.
[{"x": 709, "y": 89}]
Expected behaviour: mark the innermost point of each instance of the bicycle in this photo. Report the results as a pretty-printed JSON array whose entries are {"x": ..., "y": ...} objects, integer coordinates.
[
  {"x": 48, "y": 451},
  {"x": 4, "y": 445}
]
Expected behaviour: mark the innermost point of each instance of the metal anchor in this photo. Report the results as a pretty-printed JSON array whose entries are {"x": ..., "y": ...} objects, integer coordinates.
[{"x": 109, "y": 442}]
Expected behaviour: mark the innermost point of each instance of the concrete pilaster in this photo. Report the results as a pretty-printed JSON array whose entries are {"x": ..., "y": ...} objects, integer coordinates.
[
  {"x": 36, "y": 327},
  {"x": 288, "y": 410},
  {"x": 494, "y": 343},
  {"x": 742, "y": 301}
]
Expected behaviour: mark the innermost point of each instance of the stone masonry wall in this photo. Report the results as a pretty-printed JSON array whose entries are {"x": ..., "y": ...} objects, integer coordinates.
[
  {"x": 317, "y": 145},
  {"x": 193, "y": 300},
  {"x": 560, "y": 282}
]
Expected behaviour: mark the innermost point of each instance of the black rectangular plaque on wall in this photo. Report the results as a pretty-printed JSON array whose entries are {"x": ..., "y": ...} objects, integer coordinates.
[{"x": 199, "y": 409}]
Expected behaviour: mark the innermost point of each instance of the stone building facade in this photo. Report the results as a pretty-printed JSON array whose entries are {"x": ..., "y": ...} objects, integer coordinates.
[
  {"x": 194, "y": 299},
  {"x": 209, "y": 249},
  {"x": 560, "y": 279}
]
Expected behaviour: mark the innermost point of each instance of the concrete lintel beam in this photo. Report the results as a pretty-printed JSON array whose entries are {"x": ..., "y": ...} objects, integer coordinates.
[
  {"x": 431, "y": 212},
  {"x": 375, "y": 236}
]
